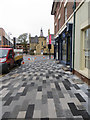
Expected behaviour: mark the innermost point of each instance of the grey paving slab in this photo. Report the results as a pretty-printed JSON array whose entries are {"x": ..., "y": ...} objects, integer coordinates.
[{"x": 41, "y": 89}]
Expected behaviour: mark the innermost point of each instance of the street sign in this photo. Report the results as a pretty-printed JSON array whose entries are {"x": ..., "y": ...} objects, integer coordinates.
[{"x": 49, "y": 39}]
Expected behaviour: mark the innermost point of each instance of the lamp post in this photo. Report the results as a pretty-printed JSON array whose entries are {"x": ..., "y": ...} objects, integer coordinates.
[{"x": 74, "y": 7}]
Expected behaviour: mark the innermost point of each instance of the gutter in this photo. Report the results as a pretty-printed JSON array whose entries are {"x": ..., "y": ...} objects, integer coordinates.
[{"x": 74, "y": 7}]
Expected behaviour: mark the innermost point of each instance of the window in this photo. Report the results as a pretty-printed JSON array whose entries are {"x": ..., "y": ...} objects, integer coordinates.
[
  {"x": 65, "y": 13},
  {"x": 59, "y": 24},
  {"x": 87, "y": 48}
]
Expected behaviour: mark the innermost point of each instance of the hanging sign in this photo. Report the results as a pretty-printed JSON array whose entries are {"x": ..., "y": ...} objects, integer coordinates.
[{"x": 49, "y": 39}]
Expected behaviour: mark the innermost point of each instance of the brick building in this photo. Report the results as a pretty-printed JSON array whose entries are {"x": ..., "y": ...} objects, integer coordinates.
[
  {"x": 62, "y": 11},
  {"x": 5, "y": 39},
  {"x": 71, "y": 24}
]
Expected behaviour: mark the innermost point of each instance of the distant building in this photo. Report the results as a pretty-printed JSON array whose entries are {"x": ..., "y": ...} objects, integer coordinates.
[
  {"x": 33, "y": 43},
  {"x": 42, "y": 47},
  {"x": 38, "y": 45},
  {"x": 20, "y": 46},
  {"x": 5, "y": 39}
]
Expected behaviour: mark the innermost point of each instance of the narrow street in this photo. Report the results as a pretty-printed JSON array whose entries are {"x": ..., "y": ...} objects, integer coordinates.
[{"x": 40, "y": 88}]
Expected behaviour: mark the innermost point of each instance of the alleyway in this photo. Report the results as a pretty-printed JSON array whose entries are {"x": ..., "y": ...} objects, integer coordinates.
[{"x": 41, "y": 89}]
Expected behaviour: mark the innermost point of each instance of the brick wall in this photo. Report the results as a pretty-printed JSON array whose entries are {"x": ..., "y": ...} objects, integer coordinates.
[{"x": 61, "y": 12}]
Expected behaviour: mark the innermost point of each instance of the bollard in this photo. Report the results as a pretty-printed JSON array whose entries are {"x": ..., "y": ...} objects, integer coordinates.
[
  {"x": 23, "y": 62},
  {"x": 28, "y": 58}
]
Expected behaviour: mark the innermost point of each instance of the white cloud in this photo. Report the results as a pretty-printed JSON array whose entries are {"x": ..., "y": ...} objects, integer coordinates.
[{"x": 19, "y": 16}]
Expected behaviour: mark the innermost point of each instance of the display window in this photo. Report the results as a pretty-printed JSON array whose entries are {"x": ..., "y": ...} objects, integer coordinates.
[{"x": 87, "y": 48}]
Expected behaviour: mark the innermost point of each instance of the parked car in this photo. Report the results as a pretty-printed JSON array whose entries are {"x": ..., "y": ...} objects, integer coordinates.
[{"x": 8, "y": 58}]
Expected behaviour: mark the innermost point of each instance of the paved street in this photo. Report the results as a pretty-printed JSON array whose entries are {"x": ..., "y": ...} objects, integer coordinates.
[{"x": 39, "y": 88}]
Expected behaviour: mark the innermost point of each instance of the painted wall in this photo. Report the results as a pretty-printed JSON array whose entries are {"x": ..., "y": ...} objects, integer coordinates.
[{"x": 82, "y": 21}]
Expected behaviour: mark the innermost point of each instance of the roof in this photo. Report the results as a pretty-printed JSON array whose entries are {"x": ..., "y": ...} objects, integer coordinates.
[{"x": 34, "y": 39}]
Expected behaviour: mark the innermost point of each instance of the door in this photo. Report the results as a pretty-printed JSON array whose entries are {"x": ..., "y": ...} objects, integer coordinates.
[{"x": 68, "y": 50}]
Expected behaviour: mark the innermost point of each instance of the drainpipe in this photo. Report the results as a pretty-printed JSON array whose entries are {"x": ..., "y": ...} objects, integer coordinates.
[{"x": 74, "y": 7}]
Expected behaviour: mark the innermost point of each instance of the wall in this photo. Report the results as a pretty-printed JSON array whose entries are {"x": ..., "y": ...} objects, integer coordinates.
[{"x": 82, "y": 17}]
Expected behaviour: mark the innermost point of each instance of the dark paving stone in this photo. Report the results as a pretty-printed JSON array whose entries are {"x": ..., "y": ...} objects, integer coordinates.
[
  {"x": 24, "y": 84},
  {"x": 6, "y": 115},
  {"x": 84, "y": 114},
  {"x": 37, "y": 78},
  {"x": 73, "y": 109},
  {"x": 57, "y": 86},
  {"x": 44, "y": 81},
  {"x": 45, "y": 119},
  {"x": 68, "y": 82},
  {"x": 77, "y": 88},
  {"x": 66, "y": 85},
  {"x": 32, "y": 84},
  {"x": 57, "y": 77},
  {"x": 80, "y": 98},
  {"x": 47, "y": 76},
  {"x": 6, "y": 97},
  {"x": 24, "y": 79},
  {"x": 39, "y": 88},
  {"x": 25, "y": 91},
  {"x": 30, "y": 110},
  {"x": 49, "y": 94},
  {"x": 7, "y": 103}
]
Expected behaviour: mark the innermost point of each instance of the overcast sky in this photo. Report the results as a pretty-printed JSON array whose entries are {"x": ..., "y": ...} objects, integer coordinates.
[{"x": 26, "y": 16}]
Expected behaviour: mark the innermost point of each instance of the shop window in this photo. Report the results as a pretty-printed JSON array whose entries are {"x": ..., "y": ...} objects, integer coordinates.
[
  {"x": 64, "y": 50},
  {"x": 87, "y": 48},
  {"x": 65, "y": 13}
]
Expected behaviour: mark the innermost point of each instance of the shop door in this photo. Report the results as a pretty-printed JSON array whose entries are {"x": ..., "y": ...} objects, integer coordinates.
[{"x": 68, "y": 50}]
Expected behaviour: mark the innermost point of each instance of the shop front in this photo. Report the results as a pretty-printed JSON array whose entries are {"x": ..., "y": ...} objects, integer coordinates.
[
  {"x": 56, "y": 49},
  {"x": 65, "y": 46}
]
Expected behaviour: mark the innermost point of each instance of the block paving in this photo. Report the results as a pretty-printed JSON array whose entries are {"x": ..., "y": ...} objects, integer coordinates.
[{"x": 42, "y": 89}]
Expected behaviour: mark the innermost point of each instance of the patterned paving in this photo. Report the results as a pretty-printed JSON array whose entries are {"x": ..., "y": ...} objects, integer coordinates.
[{"x": 41, "y": 89}]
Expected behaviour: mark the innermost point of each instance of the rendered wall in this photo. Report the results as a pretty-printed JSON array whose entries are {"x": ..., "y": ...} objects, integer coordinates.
[{"x": 82, "y": 21}]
